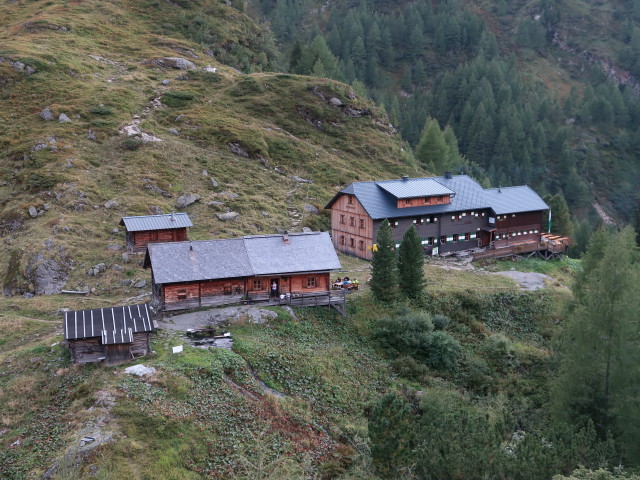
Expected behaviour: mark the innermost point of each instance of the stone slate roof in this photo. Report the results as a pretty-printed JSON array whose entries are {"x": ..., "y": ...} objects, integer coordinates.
[
  {"x": 177, "y": 262},
  {"x": 156, "y": 222},
  {"x": 113, "y": 325},
  {"x": 414, "y": 187},
  {"x": 469, "y": 195}
]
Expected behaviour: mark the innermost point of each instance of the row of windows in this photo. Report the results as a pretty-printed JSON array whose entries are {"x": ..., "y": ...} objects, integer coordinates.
[
  {"x": 352, "y": 242},
  {"x": 259, "y": 284},
  {"x": 459, "y": 216},
  {"x": 434, "y": 219},
  {"x": 425, "y": 220},
  {"x": 444, "y": 239},
  {"x": 352, "y": 221},
  {"x": 504, "y": 217},
  {"x": 504, "y": 236}
]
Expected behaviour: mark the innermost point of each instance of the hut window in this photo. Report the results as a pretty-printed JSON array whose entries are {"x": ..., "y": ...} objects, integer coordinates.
[
  {"x": 443, "y": 239},
  {"x": 407, "y": 201},
  {"x": 341, "y": 218},
  {"x": 352, "y": 221},
  {"x": 362, "y": 223},
  {"x": 227, "y": 289},
  {"x": 455, "y": 237},
  {"x": 467, "y": 236},
  {"x": 352, "y": 242},
  {"x": 361, "y": 245},
  {"x": 342, "y": 240},
  {"x": 182, "y": 294},
  {"x": 349, "y": 199},
  {"x": 311, "y": 282},
  {"x": 257, "y": 284}
]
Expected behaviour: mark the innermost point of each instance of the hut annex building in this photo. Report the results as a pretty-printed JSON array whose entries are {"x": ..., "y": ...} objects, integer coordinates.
[
  {"x": 141, "y": 230},
  {"x": 112, "y": 335},
  {"x": 450, "y": 213},
  {"x": 216, "y": 272}
]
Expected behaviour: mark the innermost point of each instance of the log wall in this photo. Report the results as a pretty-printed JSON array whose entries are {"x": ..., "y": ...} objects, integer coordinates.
[
  {"x": 86, "y": 350},
  {"x": 137, "y": 241},
  {"x": 351, "y": 227},
  {"x": 422, "y": 201}
]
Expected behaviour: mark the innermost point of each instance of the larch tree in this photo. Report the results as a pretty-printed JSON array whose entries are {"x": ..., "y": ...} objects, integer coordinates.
[
  {"x": 411, "y": 264},
  {"x": 384, "y": 266},
  {"x": 599, "y": 350}
]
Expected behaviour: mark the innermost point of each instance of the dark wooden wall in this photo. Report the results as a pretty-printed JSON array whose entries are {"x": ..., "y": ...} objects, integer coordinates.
[{"x": 137, "y": 241}]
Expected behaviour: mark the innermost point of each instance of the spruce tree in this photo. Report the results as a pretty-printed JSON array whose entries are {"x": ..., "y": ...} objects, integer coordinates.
[
  {"x": 411, "y": 264},
  {"x": 432, "y": 150},
  {"x": 384, "y": 271}
]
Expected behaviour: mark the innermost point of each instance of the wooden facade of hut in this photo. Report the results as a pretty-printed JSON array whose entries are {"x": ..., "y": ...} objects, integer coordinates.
[
  {"x": 217, "y": 272},
  {"x": 146, "y": 229},
  {"x": 451, "y": 213},
  {"x": 112, "y": 335}
]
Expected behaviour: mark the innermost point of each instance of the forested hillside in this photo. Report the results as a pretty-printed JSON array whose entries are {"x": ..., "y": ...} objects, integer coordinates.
[{"x": 538, "y": 92}]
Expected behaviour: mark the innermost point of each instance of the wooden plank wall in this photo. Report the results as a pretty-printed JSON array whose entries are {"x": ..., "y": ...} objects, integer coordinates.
[
  {"x": 193, "y": 291},
  {"x": 347, "y": 233},
  {"x": 422, "y": 201},
  {"x": 140, "y": 239},
  {"x": 86, "y": 350}
]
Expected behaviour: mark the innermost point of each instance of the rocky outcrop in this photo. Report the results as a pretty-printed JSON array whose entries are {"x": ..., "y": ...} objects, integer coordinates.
[
  {"x": 186, "y": 200},
  {"x": 47, "y": 274},
  {"x": 176, "y": 62}
]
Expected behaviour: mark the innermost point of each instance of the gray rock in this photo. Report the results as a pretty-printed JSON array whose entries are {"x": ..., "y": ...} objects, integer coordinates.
[
  {"x": 215, "y": 203},
  {"x": 230, "y": 195},
  {"x": 114, "y": 247},
  {"x": 310, "y": 209},
  {"x": 46, "y": 274},
  {"x": 179, "y": 117},
  {"x": 336, "y": 102},
  {"x": 229, "y": 216},
  {"x": 235, "y": 147},
  {"x": 29, "y": 70},
  {"x": 127, "y": 283},
  {"x": 179, "y": 63},
  {"x": 111, "y": 204},
  {"x": 300, "y": 180},
  {"x": 351, "y": 95},
  {"x": 18, "y": 66},
  {"x": 264, "y": 213},
  {"x": 115, "y": 230},
  {"x": 279, "y": 170},
  {"x": 33, "y": 213},
  {"x": 214, "y": 184},
  {"x": 186, "y": 200},
  {"x": 49, "y": 244},
  {"x": 165, "y": 82},
  {"x": 140, "y": 284},
  {"x": 205, "y": 173},
  {"x": 210, "y": 69},
  {"x": 62, "y": 118},
  {"x": 46, "y": 207},
  {"x": 125, "y": 257},
  {"x": 155, "y": 210},
  {"x": 100, "y": 267},
  {"x": 117, "y": 268},
  {"x": 91, "y": 135},
  {"x": 140, "y": 370},
  {"x": 46, "y": 115},
  {"x": 173, "y": 131}
]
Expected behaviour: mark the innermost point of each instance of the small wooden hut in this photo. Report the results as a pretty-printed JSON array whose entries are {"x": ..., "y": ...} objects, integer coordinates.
[
  {"x": 141, "y": 230},
  {"x": 113, "y": 335}
]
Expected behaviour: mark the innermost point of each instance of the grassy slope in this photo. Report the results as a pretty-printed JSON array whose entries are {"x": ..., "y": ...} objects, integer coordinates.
[{"x": 260, "y": 112}]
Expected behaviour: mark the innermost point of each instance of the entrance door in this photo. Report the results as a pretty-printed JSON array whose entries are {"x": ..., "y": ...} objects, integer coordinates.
[{"x": 274, "y": 292}]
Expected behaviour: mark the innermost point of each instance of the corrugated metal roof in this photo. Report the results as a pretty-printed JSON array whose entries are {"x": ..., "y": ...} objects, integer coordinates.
[
  {"x": 156, "y": 222},
  {"x": 113, "y": 325},
  {"x": 469, "y": 195},
  {"x": 304, "y": 252},
  {"x": 414, "y": 187},
  {"x": 241, "y": 257}
]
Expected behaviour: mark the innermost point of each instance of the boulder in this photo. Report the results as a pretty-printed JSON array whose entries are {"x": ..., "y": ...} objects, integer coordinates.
[
  {"x": 336, "y": 102},
  {"x": 236, "y": 148},
  {"x": 140, "y": 370},
  {"x": 33, "y": 213},
  {"x": 186, "y": 200},
  {"x": 46, "y": 115},
  {"x": 140, "y": 284},
  {"x": 214, "y": 184},
  {"x": 264, "y": 213},
  {"x": 91, "y": 135},
  {"x": 229, "y": 216},
  {"x": 215, "y": 203},
  {"x": 62, "y": 118},
  {"x": 179, "y": 63},
  {"x": 165, "y": 82},
  {"x": 300, "y": 180},
  {"x": 310, "y": 209},
  {"x": 46, "y": 274},
  {"x": 114, "y": 247},
  {"x": 111, "y": 204},
  {"x": 173, "y": 131},
  {"x": 209, "y": 69}
]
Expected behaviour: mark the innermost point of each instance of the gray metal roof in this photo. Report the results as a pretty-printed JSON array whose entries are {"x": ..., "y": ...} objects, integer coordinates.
[
  {"x": 113, "y": 325},
  {"x": 414, "y": 187},
  {"x": 156, "y": 222},
  {"x": 308, "y": 252},
  {"x": 241, "y": 257},
  {"x": 175, "y": 262},
  {"x": 469, "y": 195}
]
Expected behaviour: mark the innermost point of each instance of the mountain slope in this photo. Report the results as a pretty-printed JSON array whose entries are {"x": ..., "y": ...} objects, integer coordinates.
[{"x": 248, "y": 142}]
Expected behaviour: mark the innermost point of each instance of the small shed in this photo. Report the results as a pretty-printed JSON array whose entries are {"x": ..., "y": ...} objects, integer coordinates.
[
  {"x": 141, "y": 230},
  {"x": 113, "y": 335}
]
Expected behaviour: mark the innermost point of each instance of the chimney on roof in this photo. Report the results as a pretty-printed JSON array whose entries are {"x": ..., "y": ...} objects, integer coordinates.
[
  {"x": 405, "y": 177},
  {"x": 447, "y": 175},
  {"x": 285, "y": 236},
  {"x": 190, "y": 246},
  {"x": 173, "y": 216},
  {"x": 499, "y": 189}
]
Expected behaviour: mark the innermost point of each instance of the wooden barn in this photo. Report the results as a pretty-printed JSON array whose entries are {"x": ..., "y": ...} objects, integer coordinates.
[
  {"x": 145, "y": 229},
  {"x": 450, "y": 213},
  {"x": 217, "y": 272},
  {"x": 112, "y": 335}
]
